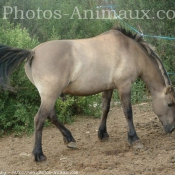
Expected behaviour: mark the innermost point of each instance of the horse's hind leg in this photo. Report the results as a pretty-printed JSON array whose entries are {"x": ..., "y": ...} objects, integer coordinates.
[
  {"x": 67, "y": 136},
  {"x": 106, "y": 99},
  {"x": 47, "y": 106},
  {"x": 46, "y": 111},
  {"x": 39, "y": 120}
]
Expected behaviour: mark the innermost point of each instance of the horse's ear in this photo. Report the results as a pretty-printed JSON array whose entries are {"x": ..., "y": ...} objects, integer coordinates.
[
  {"x": 169, "y": 89},
  {"x": 171, "y": 94}
]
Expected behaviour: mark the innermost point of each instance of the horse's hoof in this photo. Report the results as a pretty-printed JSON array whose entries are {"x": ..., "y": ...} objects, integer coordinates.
[
  {"x": 103, "y": 136},
  {"x": 72, "y": 145},
  {"x": 40, "y": 158},
  {"x": 137, "y": 144},
  {"x": 104, "y": 139}
]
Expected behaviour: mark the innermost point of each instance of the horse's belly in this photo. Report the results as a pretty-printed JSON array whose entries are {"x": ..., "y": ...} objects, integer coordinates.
[{"x": 83, "y": 89}]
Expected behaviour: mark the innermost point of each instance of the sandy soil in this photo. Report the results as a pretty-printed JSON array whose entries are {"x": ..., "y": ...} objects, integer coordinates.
[{"x": 112, "y": 157}]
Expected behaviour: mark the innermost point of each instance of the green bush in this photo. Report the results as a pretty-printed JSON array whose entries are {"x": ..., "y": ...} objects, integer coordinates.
[
  {"x": 90, "y": 106},
  {"x": 18, "y": 108}
]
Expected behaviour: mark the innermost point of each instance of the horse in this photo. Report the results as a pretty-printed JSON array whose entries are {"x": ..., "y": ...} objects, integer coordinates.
[{"x": 82, "y": 67}]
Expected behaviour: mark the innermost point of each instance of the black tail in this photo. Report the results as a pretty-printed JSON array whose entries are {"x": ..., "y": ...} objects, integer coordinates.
[{"x": 10, "y": 59}]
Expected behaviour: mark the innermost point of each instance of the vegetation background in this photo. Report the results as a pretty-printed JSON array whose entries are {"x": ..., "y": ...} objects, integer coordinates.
[{"x": 18, "y": 109}]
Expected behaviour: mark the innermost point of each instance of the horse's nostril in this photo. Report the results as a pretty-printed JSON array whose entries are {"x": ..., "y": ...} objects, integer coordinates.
[
  {"x": 168, "y": 129},
  {"x": 172, "y": 129}
]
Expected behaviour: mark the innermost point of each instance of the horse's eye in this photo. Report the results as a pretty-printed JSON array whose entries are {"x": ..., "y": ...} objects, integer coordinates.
[{"x": 170, "y": 104}]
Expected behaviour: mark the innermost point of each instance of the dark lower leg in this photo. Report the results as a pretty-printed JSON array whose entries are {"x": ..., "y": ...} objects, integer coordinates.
[
  {"x": 37, "y": 151},
  {"x": 67, "y": 136},
  {"x": 132, "y": 135},
  {"x": 126, "y": 102},
  {"x": 106, "y": 99}
]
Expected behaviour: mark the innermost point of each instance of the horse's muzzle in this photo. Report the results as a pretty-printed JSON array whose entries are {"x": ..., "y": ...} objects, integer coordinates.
[{"x": 169, "y": 128}]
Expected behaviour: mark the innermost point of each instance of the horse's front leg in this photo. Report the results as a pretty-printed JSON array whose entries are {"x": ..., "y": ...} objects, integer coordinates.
[
  {"x": 106, "y": 99},
  {"x": 125, "y": 96}
]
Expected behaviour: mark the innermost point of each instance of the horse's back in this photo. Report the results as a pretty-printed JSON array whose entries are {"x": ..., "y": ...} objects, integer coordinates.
[{"x": 82, "y": 66}]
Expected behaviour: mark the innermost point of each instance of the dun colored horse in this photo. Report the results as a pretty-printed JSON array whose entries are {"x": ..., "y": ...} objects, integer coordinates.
[{"x": 112, "y": 60}]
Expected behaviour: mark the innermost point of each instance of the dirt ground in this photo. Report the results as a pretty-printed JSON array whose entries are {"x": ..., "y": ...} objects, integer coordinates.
[{"x": 112, "y": 157}]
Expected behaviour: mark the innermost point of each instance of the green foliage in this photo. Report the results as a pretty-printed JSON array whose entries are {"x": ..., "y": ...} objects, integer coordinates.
[
  {"x": 139, "y": 92},
  {"x": 90, "y": 106},
  {"x": 15, "y": 36},
  {"x": 16, "y": 115},
  {"x": 49, "y": 26},
  {"x": 18, "y": 108}
]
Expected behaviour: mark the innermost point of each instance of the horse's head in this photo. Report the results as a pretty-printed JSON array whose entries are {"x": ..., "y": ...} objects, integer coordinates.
[{"x": 164, "y": 108}]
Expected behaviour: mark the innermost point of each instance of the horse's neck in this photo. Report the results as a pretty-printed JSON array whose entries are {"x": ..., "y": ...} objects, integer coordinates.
[{"x": 153, "y": 78}]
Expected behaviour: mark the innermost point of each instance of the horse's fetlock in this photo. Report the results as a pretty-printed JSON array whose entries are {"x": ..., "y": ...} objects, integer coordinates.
[
  {"x": 67, "y": 137},
  {"x": 38, "y": 155},
  {"x": 132, "y": 137},
  {"x": 102, "y": 133}
]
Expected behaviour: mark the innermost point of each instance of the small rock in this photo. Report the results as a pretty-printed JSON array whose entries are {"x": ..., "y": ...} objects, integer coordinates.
[
  {"x": 25, "y": 154},
  {"x": 64, "y": 158}
]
